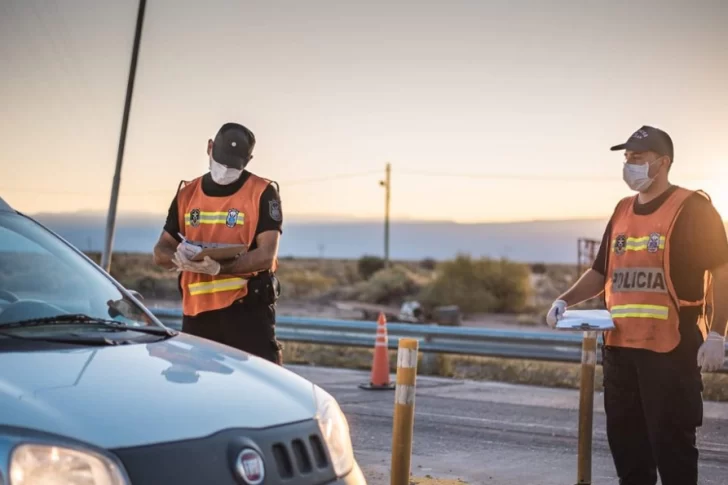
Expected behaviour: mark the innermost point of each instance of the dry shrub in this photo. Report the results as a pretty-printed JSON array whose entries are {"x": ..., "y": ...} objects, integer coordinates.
[
  {"x": 369, "y": 265},
  {"x": 304, "y": 284},
  {"x": 480, "y": 285},
  {"x": 390, "y": 286},
  {"x": 340, "y": 271}
]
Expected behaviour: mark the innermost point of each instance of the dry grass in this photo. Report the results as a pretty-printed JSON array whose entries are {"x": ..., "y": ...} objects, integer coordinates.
[{"x": 138, "y": 272}]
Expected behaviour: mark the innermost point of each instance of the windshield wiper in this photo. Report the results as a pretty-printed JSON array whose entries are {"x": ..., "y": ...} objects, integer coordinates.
[
  {"x": 66, "y": 340},
  {"x": 86, "y": 320}
]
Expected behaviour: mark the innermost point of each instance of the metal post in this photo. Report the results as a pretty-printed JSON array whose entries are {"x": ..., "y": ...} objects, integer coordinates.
[
  {"x": 111, "y": 217},
  {"x": 404, "y": 411},
  {"x": 578, "y": 258},
  {"x": 586, "y": 407},
  {"x": 386, "y": 183}
]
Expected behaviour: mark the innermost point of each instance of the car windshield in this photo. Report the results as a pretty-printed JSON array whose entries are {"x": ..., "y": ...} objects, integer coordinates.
[{"x": 42, "y": 277}]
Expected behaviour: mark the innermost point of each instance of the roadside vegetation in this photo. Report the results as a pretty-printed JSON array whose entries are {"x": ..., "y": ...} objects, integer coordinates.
[{"x": 474, "y": 285}]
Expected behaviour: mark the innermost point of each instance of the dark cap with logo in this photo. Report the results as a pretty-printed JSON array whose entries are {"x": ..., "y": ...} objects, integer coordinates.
[
  {"x": 233, "y": 145},
  {"x": 648, "y": 139}
]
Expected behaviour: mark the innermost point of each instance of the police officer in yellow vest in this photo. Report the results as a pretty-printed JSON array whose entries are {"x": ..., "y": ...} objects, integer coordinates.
[
  {"x": 232, "y": 301},
  {"x": 663, "y": 255}
]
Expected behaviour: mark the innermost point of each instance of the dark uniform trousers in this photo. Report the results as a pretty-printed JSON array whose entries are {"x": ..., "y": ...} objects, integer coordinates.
[
  {"x": 653, "y": 404},
  {"x": 244, "y": 325}
]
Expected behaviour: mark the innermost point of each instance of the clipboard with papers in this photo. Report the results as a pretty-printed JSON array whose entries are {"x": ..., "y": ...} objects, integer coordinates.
[
  {"x": 221, "y": 253},
  {"x": 586, "y": 320},
  {"x": 218, "y": 252}
]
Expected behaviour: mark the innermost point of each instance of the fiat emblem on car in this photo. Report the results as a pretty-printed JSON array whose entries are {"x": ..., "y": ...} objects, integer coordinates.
[{"x": 250, "y": 467}]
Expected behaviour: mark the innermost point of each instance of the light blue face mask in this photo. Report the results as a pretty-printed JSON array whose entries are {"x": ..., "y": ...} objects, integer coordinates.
[{"x": 637, "y": 176}]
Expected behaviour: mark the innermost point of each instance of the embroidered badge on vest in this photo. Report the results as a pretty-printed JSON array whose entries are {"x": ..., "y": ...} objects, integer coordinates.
[
  {"x": 620, "y": 243},
  {"x": 654, "y": 243},
  {"x": 195, "y": 217},
  {"x": 232, "y": 217}
]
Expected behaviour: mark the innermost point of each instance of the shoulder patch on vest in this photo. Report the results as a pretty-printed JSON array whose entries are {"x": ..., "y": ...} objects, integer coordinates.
[{"x": 274, "y": 210}]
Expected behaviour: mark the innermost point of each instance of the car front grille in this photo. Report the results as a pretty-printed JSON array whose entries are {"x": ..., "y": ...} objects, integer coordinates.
[
  {"x": 294, "y": 454},
  {"x": 300, "y": 456}
]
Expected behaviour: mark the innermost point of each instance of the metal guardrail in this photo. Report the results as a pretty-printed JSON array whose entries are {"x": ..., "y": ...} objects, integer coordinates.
[{"x": 544, "y": 346}]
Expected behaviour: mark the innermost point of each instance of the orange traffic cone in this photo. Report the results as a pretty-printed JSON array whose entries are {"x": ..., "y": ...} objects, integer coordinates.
[{"x": 380, "y": 365}]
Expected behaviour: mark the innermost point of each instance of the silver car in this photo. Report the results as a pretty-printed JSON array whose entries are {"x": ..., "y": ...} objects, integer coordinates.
[{"x": 94, "y": 390}]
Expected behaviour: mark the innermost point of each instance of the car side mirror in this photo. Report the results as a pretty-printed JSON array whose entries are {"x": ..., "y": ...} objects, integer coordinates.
[{"x": 136, "y": 294}]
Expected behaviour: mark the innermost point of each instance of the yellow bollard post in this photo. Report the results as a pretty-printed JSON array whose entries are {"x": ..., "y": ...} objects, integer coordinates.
[
  {"x": 404, "y": 411},
  {"x": 586, "y": 407}
]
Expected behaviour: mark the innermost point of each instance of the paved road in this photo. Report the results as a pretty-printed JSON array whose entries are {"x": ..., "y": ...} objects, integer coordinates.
[{"x": 492, "y": 433}]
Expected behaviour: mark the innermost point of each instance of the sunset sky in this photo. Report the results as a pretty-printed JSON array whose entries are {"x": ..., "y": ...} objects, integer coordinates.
[{"x": 488, "y": 111}]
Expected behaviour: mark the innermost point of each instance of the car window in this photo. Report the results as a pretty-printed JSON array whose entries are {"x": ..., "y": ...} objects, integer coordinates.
[{"x": 41, "y": 276}]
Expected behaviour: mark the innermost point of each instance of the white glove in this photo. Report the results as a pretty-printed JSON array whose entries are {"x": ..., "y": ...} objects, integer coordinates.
[
  {"x": 189, "y": 250},
  {"x": 712, "y": 353},
  {"x": 206, "y": 266},
  {"x": 556, "y": 313}
]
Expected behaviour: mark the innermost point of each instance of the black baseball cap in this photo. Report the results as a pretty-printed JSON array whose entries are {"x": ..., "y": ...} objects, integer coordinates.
[
  {"x": 648, "y": 139},
  {"x": 233, "y": 145}
]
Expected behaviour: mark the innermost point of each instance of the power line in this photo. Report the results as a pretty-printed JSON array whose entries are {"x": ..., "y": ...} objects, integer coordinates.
[
  {"x": 504, "y": 176},
  {"x": 170, "y": 193},
  {"x": 328, "y": 178},
  {"x": 42, "y": 191},
  {"x": 522, "y": 177},
  {"x": 343, "y": 176}
]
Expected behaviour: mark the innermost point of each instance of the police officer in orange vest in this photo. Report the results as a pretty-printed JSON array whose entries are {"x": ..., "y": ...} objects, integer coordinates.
[
  {"x": 663, "y": 255},
  {"x": 231, "y": 301}
]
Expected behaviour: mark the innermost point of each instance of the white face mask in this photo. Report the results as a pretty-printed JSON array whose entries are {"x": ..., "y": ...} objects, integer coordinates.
[
  {"x": 637, "y": 176},
  {"x": 223, "y": 175}
]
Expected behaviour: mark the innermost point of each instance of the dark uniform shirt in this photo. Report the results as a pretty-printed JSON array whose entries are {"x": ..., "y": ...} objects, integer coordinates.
[{"x": 698, "y": 243}]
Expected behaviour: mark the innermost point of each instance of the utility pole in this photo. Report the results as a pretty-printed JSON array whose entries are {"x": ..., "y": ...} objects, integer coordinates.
[
  {"x": 111, "y": 217},
  {"x": 387, "y": 184}
]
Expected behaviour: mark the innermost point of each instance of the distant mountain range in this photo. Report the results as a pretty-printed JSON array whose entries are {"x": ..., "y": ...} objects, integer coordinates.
[{"x": 539, "y": 241}]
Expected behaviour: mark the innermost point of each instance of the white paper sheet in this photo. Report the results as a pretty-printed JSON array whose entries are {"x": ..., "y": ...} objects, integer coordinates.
[{"x": 580, "y": 320}]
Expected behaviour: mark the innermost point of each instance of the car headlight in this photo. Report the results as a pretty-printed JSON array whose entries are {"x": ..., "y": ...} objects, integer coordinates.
[
  {"x": 335, "y": 430},
  {"x": 55, "y": 465}
]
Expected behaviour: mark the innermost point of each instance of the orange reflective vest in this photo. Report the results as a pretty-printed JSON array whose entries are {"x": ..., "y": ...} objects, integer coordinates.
[
  {"x": 639, "y": 292},
  {"x": 218, "y": 220}
]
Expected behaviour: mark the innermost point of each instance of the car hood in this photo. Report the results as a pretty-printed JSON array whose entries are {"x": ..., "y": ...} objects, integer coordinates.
[{"x": 181, "y": 388}]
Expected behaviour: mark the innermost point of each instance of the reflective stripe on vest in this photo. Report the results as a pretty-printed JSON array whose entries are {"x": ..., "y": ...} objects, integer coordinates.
[
  {"x": 639, "y": 244},
  {"x": 658, "y": 312},
  {"x": 215, "y": 218},
  {"x": 216, "y": 286}
]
